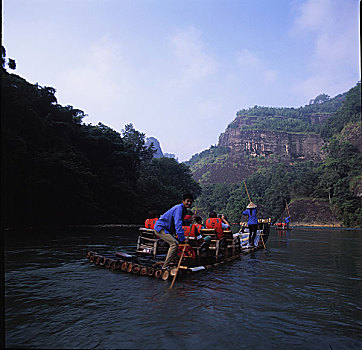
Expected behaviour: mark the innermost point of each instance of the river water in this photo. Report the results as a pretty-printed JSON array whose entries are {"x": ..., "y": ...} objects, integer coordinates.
[{"x": 303, "y": 292}]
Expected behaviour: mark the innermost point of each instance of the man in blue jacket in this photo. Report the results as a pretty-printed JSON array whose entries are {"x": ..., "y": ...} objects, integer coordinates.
[
  {"x": 170, "y": 223},
  {"x": 287, "y": 221},
  {"x": 251, "y": 211}
]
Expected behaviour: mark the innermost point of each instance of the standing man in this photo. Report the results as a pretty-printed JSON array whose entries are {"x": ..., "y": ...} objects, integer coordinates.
[
  {"x": 170, "y": 223},
  {"x": 252, "y": 222},
  {"x": 287, "y": 221}
]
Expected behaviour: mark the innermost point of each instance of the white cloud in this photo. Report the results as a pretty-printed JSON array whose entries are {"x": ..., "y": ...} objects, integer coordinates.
[
  {"x": 250, "y": 64},
  {"x": 332, "y": 30},
  {"x": 102, "y": 80},
  {"x": 312, "y": 15},
  {"x": 194, "y": 63}
]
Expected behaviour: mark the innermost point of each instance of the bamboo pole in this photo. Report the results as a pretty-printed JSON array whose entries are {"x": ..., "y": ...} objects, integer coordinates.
[
  {"x": 182, "y": 255},
  {"x": 288, "y": 210},
  {"x": 179, "y": 263},
  {"x": 247, "y": 192},
  {"x": 261, "y": 236},
  {"x": 287, "y": 207}
]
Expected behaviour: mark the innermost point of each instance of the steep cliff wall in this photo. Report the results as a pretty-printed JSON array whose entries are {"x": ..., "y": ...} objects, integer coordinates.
[
  {"x": 261, "y": 137},
  {"x": 282, "y": 145},
  {"x": 248, "y": 150}
]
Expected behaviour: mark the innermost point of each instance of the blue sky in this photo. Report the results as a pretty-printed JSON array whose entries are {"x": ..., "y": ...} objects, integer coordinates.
[{"x": 179, "y": 70}]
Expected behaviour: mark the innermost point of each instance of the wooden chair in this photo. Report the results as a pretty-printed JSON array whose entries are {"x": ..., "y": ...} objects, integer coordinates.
[
  {"x": 232, "y": 244},
  {"x": 148, "y": 243},
  {"x": 215, "y": 243}
]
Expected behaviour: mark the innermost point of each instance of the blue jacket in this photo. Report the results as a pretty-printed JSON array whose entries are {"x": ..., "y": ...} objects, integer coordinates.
[
  {"x": 253, "y": 220},
  {"x": 287, "y": 219},
  {"x": 171, "y": 221}
]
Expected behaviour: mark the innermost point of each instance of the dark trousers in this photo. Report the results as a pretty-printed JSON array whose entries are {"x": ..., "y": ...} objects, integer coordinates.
[{"x": 252, "y": 234}]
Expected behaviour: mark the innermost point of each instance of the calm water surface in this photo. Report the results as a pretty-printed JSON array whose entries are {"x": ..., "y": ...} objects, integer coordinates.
[{"x": 303, "y": 292}]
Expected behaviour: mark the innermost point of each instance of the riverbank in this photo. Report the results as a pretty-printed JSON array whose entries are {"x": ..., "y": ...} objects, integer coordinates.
[
  {"x": 301, "y": 224},
  {"x": 311, "y": 212}
]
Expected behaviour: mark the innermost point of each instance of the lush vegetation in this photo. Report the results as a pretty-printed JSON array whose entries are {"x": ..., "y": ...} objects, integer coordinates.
[
  {"x": 210, "y": 155},
  {"x": 58, "y": 170},
  {"x": 300, "y": 119},
  {"x": 337, "y": 179},
  {"x": 306, "y": 119}
]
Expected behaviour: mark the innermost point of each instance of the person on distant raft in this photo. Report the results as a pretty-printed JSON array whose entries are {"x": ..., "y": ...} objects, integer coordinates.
[
  {"x": 287, "y": 221},
  {"x": 170, "y": 224},
  {"x": 252, "y": 222}
]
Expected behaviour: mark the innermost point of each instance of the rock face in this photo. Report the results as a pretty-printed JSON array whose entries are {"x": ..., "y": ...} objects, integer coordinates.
[
  {"x": 250, "y": 149},
  {"x": 156, "y": 146},
  {"x": 285, "y": 146}
]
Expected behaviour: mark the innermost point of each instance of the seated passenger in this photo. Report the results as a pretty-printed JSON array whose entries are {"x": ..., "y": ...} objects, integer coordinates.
[
  {"x": 197, "y": 226},
  {"x": 151, "y": 220},
  {"x": 218, "y": 223},
  {"x": 193, "y": 230},
  {"x": 186, "y": 225}
]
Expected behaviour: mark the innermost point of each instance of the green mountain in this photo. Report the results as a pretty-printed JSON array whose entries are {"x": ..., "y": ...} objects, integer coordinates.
[{"x": 287, "y": 154}]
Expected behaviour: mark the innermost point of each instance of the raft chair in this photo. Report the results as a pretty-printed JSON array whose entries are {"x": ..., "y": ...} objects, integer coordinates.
[
  {"x": 257, "y": 237},
  {"x": 244, "y": 239},
  {"x": 148, "y": 243},
  {"x": 215, "y": 243},
  {"x": 232, "y": 244}
]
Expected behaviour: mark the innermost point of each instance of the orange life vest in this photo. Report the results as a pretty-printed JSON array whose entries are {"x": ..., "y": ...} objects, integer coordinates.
[
  {"x": 195, "y": 230},
  {"x": 215, "y": 223},
  {"x": 189, "y": 251},
  {"x": 150, "y": 223},
  {"x": 187, "y": 230}
]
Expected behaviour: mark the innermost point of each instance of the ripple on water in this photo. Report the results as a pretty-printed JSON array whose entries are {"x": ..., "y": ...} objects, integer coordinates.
[{"x": 303, "y": 292}]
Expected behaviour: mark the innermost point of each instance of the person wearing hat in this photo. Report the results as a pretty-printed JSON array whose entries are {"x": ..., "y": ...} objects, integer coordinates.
[{"x": 252, "y": 221}]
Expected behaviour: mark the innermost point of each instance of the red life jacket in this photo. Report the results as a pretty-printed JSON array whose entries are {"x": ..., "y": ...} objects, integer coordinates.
[
  {"x": 215, "y": 223},
  {"x": 195, "y": 230},
  {"x": 187, "y": 230},
  {"x": 150, "y": 223},
  {"x": 189, "y": 251}
]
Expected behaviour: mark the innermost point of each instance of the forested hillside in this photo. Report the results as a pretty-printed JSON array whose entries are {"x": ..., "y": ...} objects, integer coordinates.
[
  {"x": 275, "y": 175},
  {"x": 58, "y": 170}
]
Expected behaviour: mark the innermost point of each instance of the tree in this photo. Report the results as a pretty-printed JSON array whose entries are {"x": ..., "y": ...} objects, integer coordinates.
[
  {"x": 11, "y": 62},
  {"x": 322, "y": 98}
]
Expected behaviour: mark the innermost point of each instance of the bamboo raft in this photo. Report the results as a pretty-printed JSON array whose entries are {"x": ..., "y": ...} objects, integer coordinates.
[
  {"x": 281, "y": 227},
  {"x": 151, "y": 251}
]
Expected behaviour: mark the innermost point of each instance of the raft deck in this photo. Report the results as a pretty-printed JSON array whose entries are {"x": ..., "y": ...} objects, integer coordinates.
[{"x": 151, "y": 252}]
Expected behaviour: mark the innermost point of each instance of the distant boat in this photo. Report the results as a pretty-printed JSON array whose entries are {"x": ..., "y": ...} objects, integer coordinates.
[{"x": 281, "y": 226}]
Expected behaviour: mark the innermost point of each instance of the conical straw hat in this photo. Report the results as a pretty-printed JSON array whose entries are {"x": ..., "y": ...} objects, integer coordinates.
[{"x": 251, "y": 206}]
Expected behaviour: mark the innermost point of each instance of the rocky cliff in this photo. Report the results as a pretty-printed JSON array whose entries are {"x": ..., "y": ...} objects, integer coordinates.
[
  {"x": 245, "y": 151},
  {"x": 284, "y": 146},
  {"x": 155, "y": 145},
  {"x": 260, "y": 137}
]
